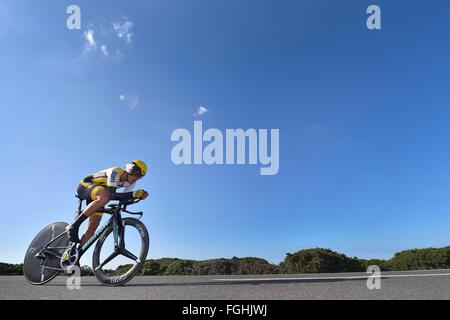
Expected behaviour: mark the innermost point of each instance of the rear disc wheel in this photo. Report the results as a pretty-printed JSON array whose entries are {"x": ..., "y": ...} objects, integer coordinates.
[{"x": 41, "y": 266}]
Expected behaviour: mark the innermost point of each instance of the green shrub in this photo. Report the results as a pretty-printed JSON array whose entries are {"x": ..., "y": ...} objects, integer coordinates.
[
  {"x": 151, "y": 268},
  {"x": 421, "y": 259},
  {"x": 86, "y": 271},
  {"x": 11, "y": 269},
  {"x": 181, "y": 267},
  {"x": 317, "y": 260},
  {"x": 320, "y": 260}
]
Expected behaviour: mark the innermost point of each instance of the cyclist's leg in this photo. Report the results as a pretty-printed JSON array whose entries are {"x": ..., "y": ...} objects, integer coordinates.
[
  {"x": 97, "y": 197},
  {"x": 94, "y": 221}
]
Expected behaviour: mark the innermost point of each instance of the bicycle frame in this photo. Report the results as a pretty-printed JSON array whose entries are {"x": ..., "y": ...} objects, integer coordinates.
[{"x": 118, "y": 234}]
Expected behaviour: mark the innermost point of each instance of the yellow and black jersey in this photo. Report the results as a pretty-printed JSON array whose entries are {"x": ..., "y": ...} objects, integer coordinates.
[{"x": 108, "y": 179}]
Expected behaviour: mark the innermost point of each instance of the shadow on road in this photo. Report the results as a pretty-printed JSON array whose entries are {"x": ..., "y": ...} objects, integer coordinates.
[
  {"x": 232, "y": 282},
  {"x": 238, "y": 282}
]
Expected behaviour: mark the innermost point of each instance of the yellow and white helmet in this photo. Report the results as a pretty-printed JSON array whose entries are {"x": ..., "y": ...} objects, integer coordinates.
[{"x": 136, "y": 167}]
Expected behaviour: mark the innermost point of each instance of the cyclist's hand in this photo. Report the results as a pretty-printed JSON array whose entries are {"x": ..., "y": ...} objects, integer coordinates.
[
  {"x": 140, "y": 194},
  {"x": 145, "y": 195}
]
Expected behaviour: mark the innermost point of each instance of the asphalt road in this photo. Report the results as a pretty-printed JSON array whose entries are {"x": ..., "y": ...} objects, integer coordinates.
[{"x": 394, "y": 285}]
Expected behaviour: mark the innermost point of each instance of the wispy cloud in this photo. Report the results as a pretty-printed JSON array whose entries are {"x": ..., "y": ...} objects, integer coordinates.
[
  {"x": 104, "y": 49},
  {"x": 200, "y": 111},
  {"x": 123, "y": 29},
  {"x": 89, "y": 44},
  {"x": 108, "y": 41}
]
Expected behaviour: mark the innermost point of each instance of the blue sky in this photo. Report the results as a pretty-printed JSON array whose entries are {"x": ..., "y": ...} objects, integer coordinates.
[{"x": 363, "y": 119}]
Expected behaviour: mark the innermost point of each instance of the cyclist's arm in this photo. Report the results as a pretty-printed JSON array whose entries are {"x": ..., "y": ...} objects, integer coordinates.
[
  {"x": 119, "y": 196},
  {"x": 113, "y": 176},
  {"x": 129, "y": 188}
]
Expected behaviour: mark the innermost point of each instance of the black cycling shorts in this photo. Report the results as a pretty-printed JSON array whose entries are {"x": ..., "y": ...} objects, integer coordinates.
[{"x": 88, "y": 191}]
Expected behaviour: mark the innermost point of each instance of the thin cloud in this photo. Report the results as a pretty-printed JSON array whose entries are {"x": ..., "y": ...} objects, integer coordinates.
[
  {"x": 104, "y": 49},
  {"x": 123, "y": 30},
  {"x": 108, "y": 41},
  {"x": 200, "y": 111},
  {"x": 90, "y": 44}
]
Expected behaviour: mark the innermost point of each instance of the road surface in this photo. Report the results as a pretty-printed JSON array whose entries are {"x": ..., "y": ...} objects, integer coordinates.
[{"x": 394, "y": 285}]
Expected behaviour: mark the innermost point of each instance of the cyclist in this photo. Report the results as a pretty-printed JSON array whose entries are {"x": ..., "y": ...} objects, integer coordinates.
[{"x": 100, "y": 188}]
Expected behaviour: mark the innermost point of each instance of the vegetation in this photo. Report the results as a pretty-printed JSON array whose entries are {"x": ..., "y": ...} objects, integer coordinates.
[
  {"x": 169, "y": 266},
  {"x": 320, "y": 261},
  {"x": 420, "y": 259},
  {"x": 86, "y": 271},
  {"x": 317, "y": 260},
  {"x": 11, "y": 269}
]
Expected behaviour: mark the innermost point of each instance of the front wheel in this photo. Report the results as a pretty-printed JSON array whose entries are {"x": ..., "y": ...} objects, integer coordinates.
[{"x": 126, "y": 261}]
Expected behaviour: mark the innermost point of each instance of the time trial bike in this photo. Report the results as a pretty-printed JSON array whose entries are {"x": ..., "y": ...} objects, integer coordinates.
[{"x": 51, "y": 252}]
